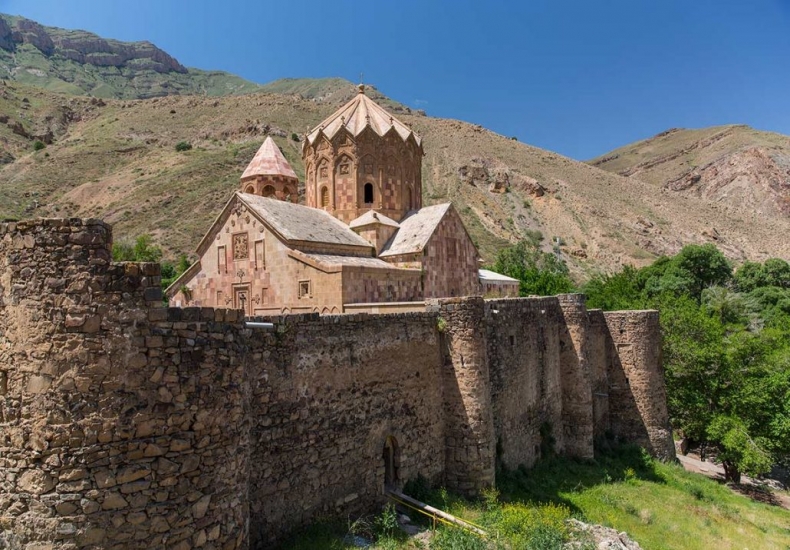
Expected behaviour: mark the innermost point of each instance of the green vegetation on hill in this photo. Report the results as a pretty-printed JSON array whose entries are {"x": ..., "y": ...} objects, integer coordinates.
[
  {"x": 726, "y": 349},
  {"x": 79, "y": 62},
  {"x": 660, "y": 506},
  {"x": 540, "y": 273}
]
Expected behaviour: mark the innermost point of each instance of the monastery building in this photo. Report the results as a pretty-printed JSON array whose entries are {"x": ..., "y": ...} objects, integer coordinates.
[{"x": 363, "y": 241}]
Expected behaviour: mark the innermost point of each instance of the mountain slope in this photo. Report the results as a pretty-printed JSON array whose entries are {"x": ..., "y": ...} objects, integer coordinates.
[
  {"x": 116, "y": 160},
  {"x": 332, "y": 91},
  {"x": 79, "y": 62},
  {"x": 736, "y": 167}
]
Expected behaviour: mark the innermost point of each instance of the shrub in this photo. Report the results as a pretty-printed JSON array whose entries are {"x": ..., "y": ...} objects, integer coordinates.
[
  {"x": 182, "y": 146},
  {"x": 295, "y": 136},
  {"x": 38, "y": 145}
]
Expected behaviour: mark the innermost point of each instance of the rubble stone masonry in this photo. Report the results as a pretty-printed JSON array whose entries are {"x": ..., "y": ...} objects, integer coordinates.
[{"x": 125, "y": 424}]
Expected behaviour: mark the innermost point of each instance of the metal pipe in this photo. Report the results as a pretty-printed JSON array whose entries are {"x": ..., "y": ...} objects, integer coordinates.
[
  {"x": 401, "y": 498},
  {"x": 256, "y": 324}
]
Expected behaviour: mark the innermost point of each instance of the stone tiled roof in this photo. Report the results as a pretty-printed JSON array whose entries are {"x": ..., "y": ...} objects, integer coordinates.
[
  {"x": 488, "y": 276},
  {"x": 415, "y": 230},
  {"x": 268, "y": 161},
  {"x": 356, "y": 115},
  {"x": 295, "y": 222},
  {"x": 372, "y": 217},
  {"x": 336, "y": 261}
]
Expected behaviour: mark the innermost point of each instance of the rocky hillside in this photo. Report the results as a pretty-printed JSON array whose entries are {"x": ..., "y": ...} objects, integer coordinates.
[
  {"x": 736, "y": 168},
  {"x": 116, "y": 159},
  {"x": 79, "y": 62}
]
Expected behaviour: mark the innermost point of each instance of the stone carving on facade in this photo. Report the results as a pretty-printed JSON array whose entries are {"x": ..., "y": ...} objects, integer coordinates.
[{"x": 241, "y": 246}]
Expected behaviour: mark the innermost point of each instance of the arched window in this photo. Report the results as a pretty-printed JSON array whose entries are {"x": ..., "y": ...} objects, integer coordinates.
[
  {"x": 324, "y": 197},
  {"x": 289, "y": 195},
  {"x": 250, "y": 190},
  {"x": 409, "y": 203},
  {"x": 269, "y": 191},
  {"x": 368, "y": 193}
]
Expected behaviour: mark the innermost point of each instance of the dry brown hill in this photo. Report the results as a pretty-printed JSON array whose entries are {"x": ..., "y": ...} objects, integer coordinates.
[
  {"x": 740, "y": 169},
  {"x": 116, "y": 159}
]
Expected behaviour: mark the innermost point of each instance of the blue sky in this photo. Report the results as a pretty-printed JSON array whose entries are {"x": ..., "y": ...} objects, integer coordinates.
[{"x": 575, "y": 76}]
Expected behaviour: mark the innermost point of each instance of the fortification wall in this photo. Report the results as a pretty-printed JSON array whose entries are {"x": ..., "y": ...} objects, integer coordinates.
[
  {"x": 327, "y": 394},
  {"x": 122, "y": 425},
  {"x": 469, "y": 423},
  {"x": 601, "y": 353},
  {"x": 637, "y": 392},
  {"x": 526, "y": 392},
  {"x": 577, "y": 406}
]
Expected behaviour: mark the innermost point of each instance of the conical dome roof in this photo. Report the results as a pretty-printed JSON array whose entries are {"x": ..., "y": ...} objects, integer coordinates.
[
  {"x": 356, "y": 115},
  {"x": 268, "y": 161}
]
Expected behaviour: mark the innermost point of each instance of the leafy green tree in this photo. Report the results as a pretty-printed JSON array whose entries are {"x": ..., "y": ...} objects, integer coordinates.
[
  {"x": 726, "y": 349},
  {"x": 614, "y": 292},
  {"x": 540, "y": 273},
  {"x": 775, "y": 272},
  {"x": 142, "y": 250}
]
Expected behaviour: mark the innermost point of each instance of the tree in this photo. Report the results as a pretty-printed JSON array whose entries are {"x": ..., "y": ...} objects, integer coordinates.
[
  {"x": 142, "y": 250},
  {"x": 182, "y": 146},
  {"x": 614, "y": 292},
  {"x": 540, "y": 273},
  {"x": 726, "y": 349},
  {"x": 753, "y": 275}
]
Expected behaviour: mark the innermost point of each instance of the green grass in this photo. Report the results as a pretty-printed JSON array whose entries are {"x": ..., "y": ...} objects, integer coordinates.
[{"x": 661, "y": 506}]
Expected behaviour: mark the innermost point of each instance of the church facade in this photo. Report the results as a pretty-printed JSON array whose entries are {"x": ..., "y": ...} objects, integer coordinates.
[{"x": 362, "y": 242}]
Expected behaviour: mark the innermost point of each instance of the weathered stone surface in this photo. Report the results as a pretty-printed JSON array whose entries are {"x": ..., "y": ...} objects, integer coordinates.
[{"x": 158, "y": 427}]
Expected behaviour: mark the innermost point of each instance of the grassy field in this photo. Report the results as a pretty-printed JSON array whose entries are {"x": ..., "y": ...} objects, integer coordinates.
[{"x": 661, "y": 506}]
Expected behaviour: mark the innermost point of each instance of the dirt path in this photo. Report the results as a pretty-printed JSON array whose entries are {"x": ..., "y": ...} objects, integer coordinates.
[{"x": 748, "y": 486}]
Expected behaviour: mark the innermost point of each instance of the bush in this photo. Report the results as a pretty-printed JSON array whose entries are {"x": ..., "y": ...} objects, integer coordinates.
[
  {"x": 38, "y": 145},
  {"x": 295, "y": 136},
  {"x": 182, "y": 146}
]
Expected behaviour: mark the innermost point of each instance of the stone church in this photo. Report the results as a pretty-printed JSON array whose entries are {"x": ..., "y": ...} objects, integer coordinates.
[{"x": 362, "y": 243}]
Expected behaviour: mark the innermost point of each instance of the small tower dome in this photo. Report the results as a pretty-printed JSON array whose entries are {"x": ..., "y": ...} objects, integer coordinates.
[{"x": 270, "y": 175}]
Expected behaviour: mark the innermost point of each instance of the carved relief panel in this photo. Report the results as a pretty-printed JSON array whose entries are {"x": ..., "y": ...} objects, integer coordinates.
[{"x": 241, "y": 249}]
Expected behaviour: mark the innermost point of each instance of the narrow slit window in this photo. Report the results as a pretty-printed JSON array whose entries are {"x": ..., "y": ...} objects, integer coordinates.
[
  {"x": 368, "y": 193},
  {"x": 260, "y": 255},
  {"x": 222, "y": 260}
]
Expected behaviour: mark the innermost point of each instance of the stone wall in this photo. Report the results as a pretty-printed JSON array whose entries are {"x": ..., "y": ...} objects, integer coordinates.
[
  {"x": 124, "y": 424},
  {"x": 327, "y": 392},
  {"x": 523, "y": 342},
  {"x": 121, "y": 423},
  {"x": 637, "y": 392}
]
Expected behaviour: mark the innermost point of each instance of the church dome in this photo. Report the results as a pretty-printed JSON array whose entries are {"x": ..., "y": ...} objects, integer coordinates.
[{"x": 356, "y": 115}]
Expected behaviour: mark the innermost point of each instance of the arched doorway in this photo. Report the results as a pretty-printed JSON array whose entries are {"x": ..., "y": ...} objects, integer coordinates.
[{"x": 391, "y": 456}]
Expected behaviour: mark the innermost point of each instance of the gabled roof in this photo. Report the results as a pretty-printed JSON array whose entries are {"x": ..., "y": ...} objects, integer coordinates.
[
  {"x": 372, "y": 217},
  {"x": 358, "y": 114},
  {"x": 488, "y": 276},
  {"x": 415, "y": 231},
  {"x": 268, "y": 161},
  {"x": 297, "y": 223}
]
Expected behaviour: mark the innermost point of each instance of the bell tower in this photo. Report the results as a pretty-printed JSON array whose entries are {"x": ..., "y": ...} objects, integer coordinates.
[{"x": 361, "y": 158}]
